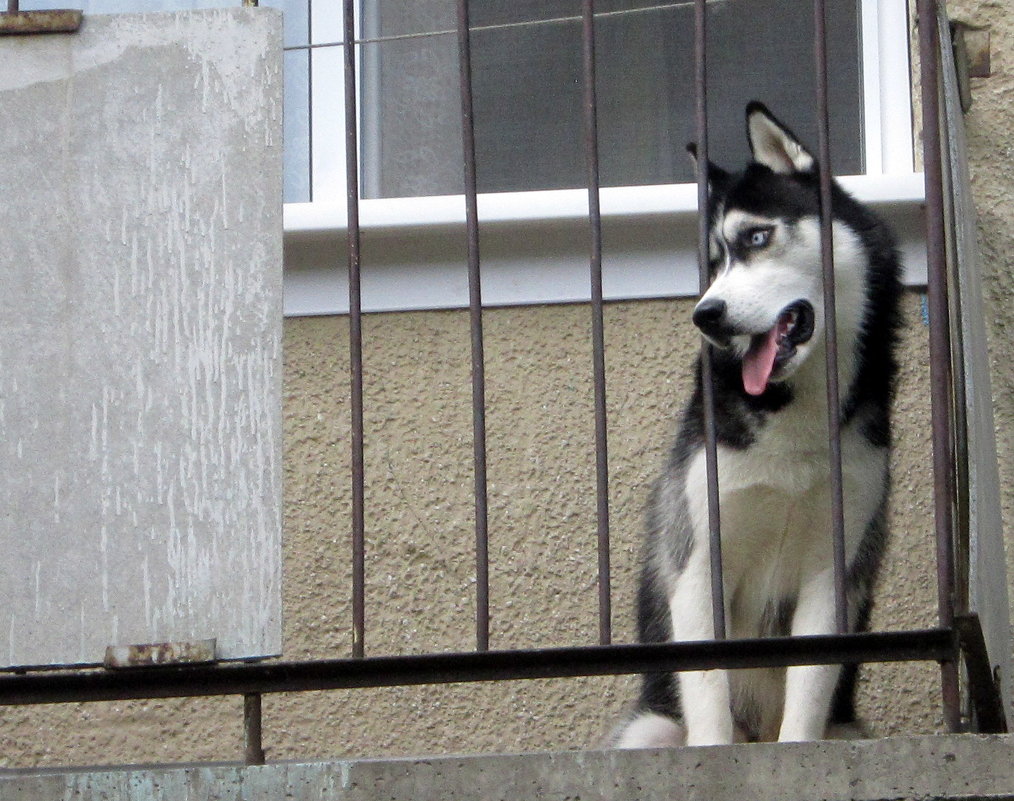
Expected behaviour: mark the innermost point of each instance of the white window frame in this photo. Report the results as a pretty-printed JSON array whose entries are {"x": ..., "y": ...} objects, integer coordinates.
[{"x": 413, "y": 256}]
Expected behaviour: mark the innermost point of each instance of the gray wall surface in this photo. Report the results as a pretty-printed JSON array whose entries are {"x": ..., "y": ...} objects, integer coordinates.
[{"x": 140, "y": 346}]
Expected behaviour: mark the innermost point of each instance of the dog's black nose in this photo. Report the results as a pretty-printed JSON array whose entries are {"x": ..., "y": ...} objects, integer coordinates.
[{"x": 708, "y": 315}]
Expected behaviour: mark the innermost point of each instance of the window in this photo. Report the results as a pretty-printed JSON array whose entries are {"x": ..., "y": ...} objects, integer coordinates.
[
  {"x": 526, "y": 67},
  {"x": 527, "y": 92},
  {"x": 530, "y": 162}
]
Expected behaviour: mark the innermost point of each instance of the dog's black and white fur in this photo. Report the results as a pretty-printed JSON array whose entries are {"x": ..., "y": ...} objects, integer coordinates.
[{"x": 764, "y": 321}]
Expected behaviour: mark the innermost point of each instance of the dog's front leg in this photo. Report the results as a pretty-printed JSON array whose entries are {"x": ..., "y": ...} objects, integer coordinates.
[
  {"x": 704, "y": 694},
  {"x": 809, "y": 688}
]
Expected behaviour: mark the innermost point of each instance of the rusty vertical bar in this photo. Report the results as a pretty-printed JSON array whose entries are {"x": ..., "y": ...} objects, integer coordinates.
[
  {"x": 475, "y": 321},
  {"x": 703, "y": 260},
  {"x": 939, "y": 335},
  {"x": 253, "y": 751},
  {"x": 830, "y": 329},
  {"x": 598, "y": 328},
  {"x": 355, "y": 336},
  {"x": 13, "y": 6}
]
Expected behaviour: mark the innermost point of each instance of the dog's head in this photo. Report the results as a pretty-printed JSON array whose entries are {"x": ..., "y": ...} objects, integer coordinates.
[{"x": 765, "y": 301}]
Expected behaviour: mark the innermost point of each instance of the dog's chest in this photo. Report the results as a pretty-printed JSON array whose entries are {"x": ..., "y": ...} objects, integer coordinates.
[
  {"x": 775, "y": 502},
  {"x": 787, "y": 462}
]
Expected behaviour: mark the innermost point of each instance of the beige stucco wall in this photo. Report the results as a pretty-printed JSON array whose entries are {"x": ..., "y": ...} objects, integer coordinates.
[{"x": 542, "y": 513}]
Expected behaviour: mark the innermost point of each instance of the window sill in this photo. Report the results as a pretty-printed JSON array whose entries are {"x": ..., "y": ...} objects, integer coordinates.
[{"x": 534, "y": 246}]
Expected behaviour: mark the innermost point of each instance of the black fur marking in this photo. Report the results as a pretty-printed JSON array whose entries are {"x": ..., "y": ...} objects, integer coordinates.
[
  {"x": 659, "y": 691},
  {"x": 777, "y": 618},
  {"x": 860, "y": 577},
  {"x": 843, "y": 707},
  {"x": 737, "y": 413}
]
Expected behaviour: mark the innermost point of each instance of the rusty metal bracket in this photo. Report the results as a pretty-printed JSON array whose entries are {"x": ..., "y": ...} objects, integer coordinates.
[
  {"x": 17, "y": 23},
  {"x": 196, "y": 652},
  {"x": 987, "y": 703},
  {"x": 975, "y": 42},
  {"x": 971, "y": 58}
]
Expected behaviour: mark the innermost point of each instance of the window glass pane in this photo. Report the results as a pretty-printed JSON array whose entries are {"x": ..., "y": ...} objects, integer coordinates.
[
  {"x": 528, "y": 95},
  {"x": 296, "y": 126},
  {"x": 411, "y": 112},
  {"x": 296, "y": 20}
]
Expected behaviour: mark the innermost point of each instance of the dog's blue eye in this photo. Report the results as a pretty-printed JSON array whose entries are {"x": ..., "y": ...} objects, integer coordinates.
[{"x": 757, "y": 237}]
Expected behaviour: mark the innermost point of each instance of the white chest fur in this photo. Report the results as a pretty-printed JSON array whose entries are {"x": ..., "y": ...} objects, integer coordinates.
[{"x": 775, "y": 504}]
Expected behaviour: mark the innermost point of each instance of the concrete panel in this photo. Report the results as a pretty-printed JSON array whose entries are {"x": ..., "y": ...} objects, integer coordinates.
[
  {"x": 951, "y": 767},
  {"x": 140, "y": 348}
]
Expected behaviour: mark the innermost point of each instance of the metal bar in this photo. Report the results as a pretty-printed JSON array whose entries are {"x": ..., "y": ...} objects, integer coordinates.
[
  {"x": 355, "y": 341},
  {"x": 391, "y": 671},
  {"x": 475, "y": 322},
  {"x": 703, "y": 261},
  {"x": 598, "y": 329},
  {"x": 940, "y": 360},
  {"x": 830, "y": 329},
  {"x": 253, "y": 751},
  {"x": 13, "y": 6},
  {"x": 956, "y": 339}
]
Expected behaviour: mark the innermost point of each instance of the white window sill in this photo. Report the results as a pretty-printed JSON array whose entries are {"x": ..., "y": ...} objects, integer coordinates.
[{"x": 534, "y": 246}]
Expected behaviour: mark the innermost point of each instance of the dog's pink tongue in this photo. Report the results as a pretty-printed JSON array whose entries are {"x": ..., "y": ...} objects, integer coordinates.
[{"x": 759, "y": 361}]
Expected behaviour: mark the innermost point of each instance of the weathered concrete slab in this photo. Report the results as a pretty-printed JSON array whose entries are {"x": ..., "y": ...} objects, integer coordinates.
[
  {"x": 140, "y": 336},
  {"x": 946, "y": 767}
]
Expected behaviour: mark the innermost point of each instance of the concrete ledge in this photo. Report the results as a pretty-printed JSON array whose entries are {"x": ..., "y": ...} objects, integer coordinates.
[{"x": 942, "y": 767}]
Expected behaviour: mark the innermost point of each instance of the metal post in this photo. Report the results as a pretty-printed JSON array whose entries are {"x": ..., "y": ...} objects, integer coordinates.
[
  {"x": 940, "y": 357},
  {"x": 598, "y": 329},
  {"x": 355, "y": 338},
  {"x": 707, "y": 383},
  {"x": 830, "y": 330},
  {"x": 254, "y": 750},
  {"x": 475, "y": 322}
]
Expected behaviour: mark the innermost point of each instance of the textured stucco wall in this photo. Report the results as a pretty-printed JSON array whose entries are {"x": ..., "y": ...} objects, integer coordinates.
[{"x": 542, "y": 512}]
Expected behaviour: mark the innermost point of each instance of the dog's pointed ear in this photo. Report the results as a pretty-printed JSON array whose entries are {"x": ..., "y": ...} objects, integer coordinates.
[
  {"x": 774, "y": 145},
  {"x": 718, "y": 178}
]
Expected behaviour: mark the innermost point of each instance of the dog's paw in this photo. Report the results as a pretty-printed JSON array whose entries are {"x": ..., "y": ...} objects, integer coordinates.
[{"x": 649, "y": 730}]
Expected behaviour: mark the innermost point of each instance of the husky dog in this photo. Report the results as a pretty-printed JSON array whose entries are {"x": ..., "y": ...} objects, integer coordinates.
[{"x": 763, "y": 319}]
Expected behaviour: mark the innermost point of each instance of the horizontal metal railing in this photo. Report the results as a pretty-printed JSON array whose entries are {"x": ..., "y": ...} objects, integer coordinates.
[{"x": 474, "y": 666}]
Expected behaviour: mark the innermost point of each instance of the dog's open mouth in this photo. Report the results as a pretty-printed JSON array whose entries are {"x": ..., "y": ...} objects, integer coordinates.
[{"x": 773, "y": 348}]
